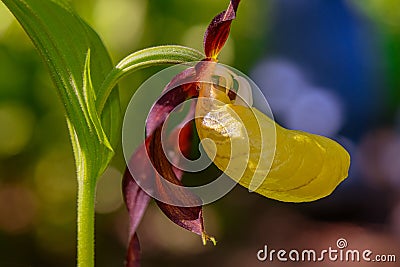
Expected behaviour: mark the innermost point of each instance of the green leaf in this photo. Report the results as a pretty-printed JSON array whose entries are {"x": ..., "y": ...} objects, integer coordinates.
[
  {"x": 165, "y": 54},
  {"x": 82, "y": 71},
  {"x": 78, "y": 63},
  {"x": 90, "y": 102}
]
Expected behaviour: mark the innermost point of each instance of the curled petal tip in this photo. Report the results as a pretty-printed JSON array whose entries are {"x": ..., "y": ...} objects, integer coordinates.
[{"x": 218, "y": 30}]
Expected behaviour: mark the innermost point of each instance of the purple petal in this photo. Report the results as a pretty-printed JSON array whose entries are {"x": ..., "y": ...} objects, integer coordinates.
[
  {"x": 218, "y": 31},
  {"x": 136, "y": 201},
  {"x": 181, "y": 138},
  {"x": 176, "y": 92},
  {"x": 133, "y": 256},
  {"x": 151, "y": 174},
  {"x": 165, "y": 173},
  {"x": 189, "y": 218}
]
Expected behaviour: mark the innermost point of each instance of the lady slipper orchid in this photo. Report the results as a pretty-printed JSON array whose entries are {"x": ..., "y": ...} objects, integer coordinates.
[{"x": 247, "y": 145}]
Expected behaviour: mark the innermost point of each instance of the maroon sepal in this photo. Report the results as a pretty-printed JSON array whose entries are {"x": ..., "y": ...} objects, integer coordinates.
[
  {"x": 218, "y": 30},
  {"x": 152, "y": 168}
]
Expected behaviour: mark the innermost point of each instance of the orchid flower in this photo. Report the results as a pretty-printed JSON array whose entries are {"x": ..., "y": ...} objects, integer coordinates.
[{"x": 247, "y": 145}]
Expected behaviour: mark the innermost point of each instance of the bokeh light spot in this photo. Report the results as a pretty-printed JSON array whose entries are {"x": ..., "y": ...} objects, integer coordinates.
[
  {"x": 108, "y": 193},
  {"x": 295, "y": 102},
  {"x": 16, "y": 128},
  {"x": 113, "y": 18},
  {"x": 55, "y": 182},
  {"x": 316, "y": 111},
  {"x": 281, "y": 82}
]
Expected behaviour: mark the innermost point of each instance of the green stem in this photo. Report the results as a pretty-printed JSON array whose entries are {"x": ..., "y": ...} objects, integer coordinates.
[
  {"x": 165, "y": 54},
  {"x": 86, "y": 200}
]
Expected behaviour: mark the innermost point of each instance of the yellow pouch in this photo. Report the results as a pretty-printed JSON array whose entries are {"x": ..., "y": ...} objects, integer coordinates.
[{"x": 252, "y": 149}]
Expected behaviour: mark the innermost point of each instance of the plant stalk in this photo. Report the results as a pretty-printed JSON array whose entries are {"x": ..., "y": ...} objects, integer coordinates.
[{"x": 86, "y": 200}]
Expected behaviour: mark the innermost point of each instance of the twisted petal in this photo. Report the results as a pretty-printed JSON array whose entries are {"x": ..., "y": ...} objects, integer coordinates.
[
  {"x": 133, "y": 255},
  {"x": 218, "y": 31},
  {"x": 152, "y": 168},
  {"x": 190, "y": 218},
  {"x": 136, "y": 201}
]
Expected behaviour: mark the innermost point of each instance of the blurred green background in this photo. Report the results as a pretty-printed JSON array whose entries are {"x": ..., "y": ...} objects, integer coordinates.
[{"x": 339, "y": 60}]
